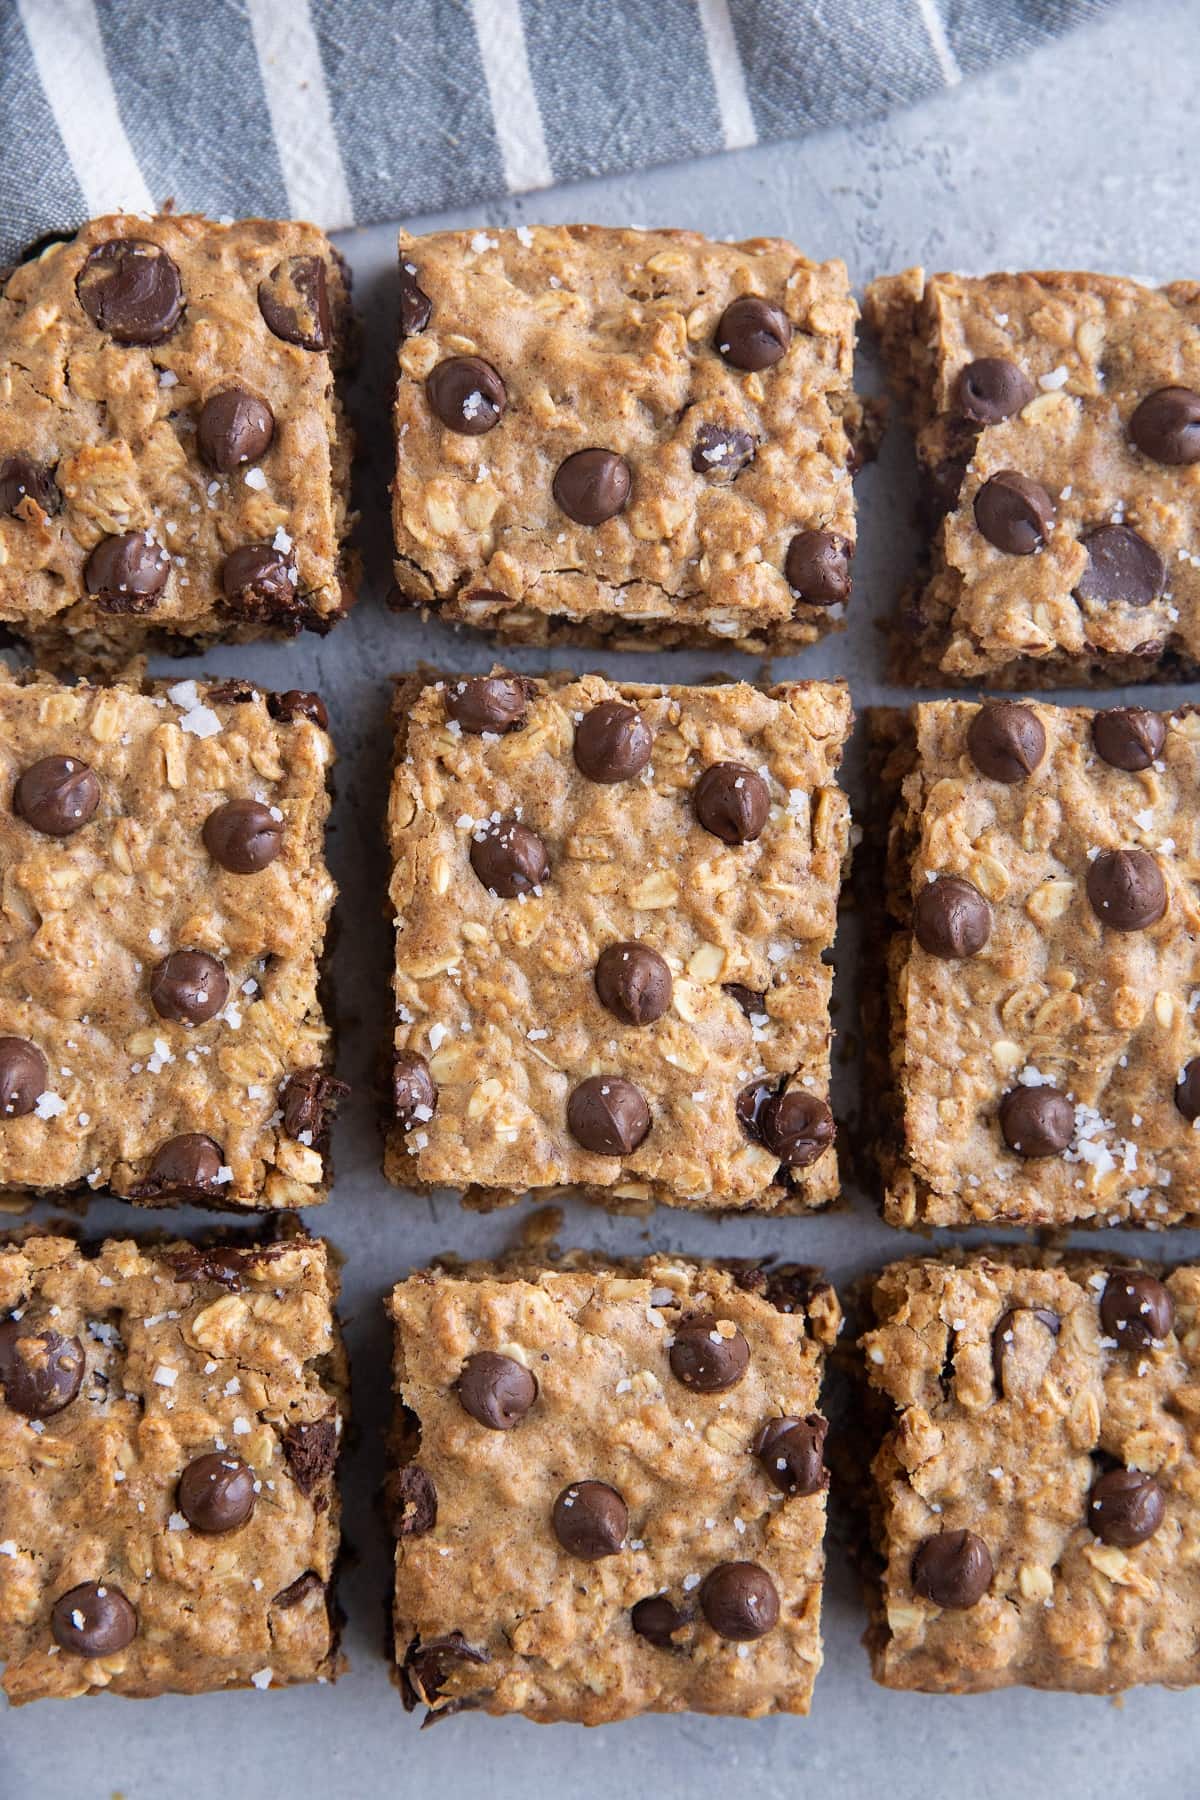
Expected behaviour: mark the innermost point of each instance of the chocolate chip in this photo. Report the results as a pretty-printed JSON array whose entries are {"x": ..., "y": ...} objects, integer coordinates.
[
  {"x": 308, "y": 1100},
  {"x": 732, "y": 801},
  {"x": 951, "y": 918},
  {"x": 817, "y": 567},
  {"x": 1187, "y": 1090},
  {"x": 592, "y": 486},
  {"x": 183, "y": 1168},
  {"x": 416, "y": 308},
  {"x": 749, "y": 1107},
  {"x": 990, "y": 389},
  {"x": 753, "y": 334},
  {"x": 296, "y": 703},
  {"x": 40, "y": 1370},
  {"x": 298, "y": 1591},
  {"x": 1004, "y": 1334},
  {"x": 488, "y": 703},
  {"x": 188, "y": 986},
  {"x": 796, "y": 1126},
  {"x": 131, "y": 289},
  {"x": 753, "y": 1001},
  {"x": 1007, "y": 741},
  {"x": 234, "y": 427},
  {"x": 414, "y": 1091},
  {"x": 740, "y": 1601},
  {"x": 590, "y": 1520},
  {"x": 24, "y": 1077},
  {"x": 953, "y": 1569},
  {"x": 1166, "y": 425},
  {"x": 93, "y": 1619},
  {"x": 1121, "y": 565},
  {"x": 228, "y": 1265},
  {"x": 657, "y": 1619},
  {"x": 428, "y": 1666},
  {"x": 259, "y": 581},
  {"x": 719, "y": 450},
  {"x": 23, "y": 479},
  {"x": 127, "y": 573},
  {"x": 1126, "y": 889},
  {"x": 509, "y": 858},
  {"x": 294, "y": 301},
  {"x": 612, "y": 743},
  {"x": 242, "y": 836},
  {"x": 1129, "y": 737},
  {"x": 496, "y": 1390},
  {"x": 1125, "y": 1507},
  {"x": 1014, "y": 513},
  {"x": 1135, "y": 1309},
  {"x": 1037, "y": 1121},
  {"x": 411, "y": 1499},
  {"x": 703, "y": 1359},
  {"x": 792, "y": 1453},
  {"x": 941, "y": 484},
  {"x": 466, "y": 394},
  {"x": 633, "y": 982},
  {"x": 216, "y": 1492},
  {"x": 56, "y": 795},
  {"x": 311, "y": 1451},
  {"x": 608, "y": 1115}
]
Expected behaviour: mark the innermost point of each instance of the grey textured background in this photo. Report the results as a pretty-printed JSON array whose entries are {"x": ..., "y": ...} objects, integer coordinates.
[{"x": 1083, "y": 155}]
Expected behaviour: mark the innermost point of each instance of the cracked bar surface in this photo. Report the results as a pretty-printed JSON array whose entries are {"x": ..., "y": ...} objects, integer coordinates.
[
  {"x": 593, "y": 988},
  {"x": 521, "y": 1390},
  {"x": 174, "y": 461},
  {"x": 1058, "y": 436},
  {"x": 170, "y": 1421},
  {"x": 708, "y": 388}
]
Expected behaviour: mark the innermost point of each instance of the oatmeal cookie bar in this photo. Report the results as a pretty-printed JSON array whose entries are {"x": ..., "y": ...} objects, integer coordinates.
[
  {"x": 1035, "y": 1494},
  {"x": 612, "y": 905},
  {"x": 639, "y": 438},
  {"x": 169, "y": 1428},
  {"x": 608, "y": 1488},
  {"x": 1040, "y": 920},
  {"x": 163, "y": 910},
  {"x": 174, "y": 461},
  {"x": 1058, "y": 435}
]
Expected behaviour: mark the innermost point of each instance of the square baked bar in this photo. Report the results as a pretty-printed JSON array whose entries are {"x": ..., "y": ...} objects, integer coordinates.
[
  {"x": 627, "y": 437},
  {"x": 163, "y": 909},
  {"x": 174, "y": 463},
  {"x": 1036, "y": 1494},
  {"x": 1043, "y": 947},
  {"x": 608, "y": 1488},
  {"x": 1058, "y": 435},
  {"x": 169, "y": 1429},
  {"x": 612, "y": 906}
]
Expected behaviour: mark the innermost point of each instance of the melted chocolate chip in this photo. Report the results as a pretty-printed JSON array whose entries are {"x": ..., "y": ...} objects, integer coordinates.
[
  {"x": 216, "y": 1492},
  {"x": 183, "y": 1168},
  {"x": 131, "y": 289},
  {"x": 259, "y": 582},
  {"x": 1135, "y": 1309},
  {"x": 428, "y": 1666},
  {"x": 509, "y": 858},
  {"x": 705, "y": 1360},
  {"x": 740, "y": 1601},
  {"x": 1004, "y": 1334},
  {"x": 1187, "y": 1090},
  {"x": 23, "y": 479},
  {"x": 1037, "y": 1121},
  {"x": 792, "y": 1453},
  {"x": 590, "y": 1520},
  {"x": 188, "y": 986},
  {"x": 991, "y": 388},
  {"x": 633, "y": 982},
  {"x": 466, "y": 394},
  {"x": 1166, "y": 426},
  {"x": 1121, "y": 566},
  {"x": 953, "y": 1569},
  {"x": 1126, "y": 889},
  {"x": 732, "y": 801},
  {"x": 749, "y": 1107},
  {"x": 242, "y": 836},
  {"x": 612, "y": 743},
  {"x": 657, "y": 1619},
  {"x": 753, "y": 1001},
  {"x": 296, "y": 1592},
  {"x": 1006, "y": 741},
  {"x": 308, "y": 1100},
  {"x": 40, "y": 1370},
  {"x": 951, "y": 918},
  {"x": 1129, "y": 737},
  {"x": 57, "y": 795},
  {"x": 1125, "y": 1507},
  {"x": 1014, "y": 513},
  {"x": 93, "y": 1619},
  {"x": 795, "y": 1126},
  {"x": 817, "y": 568},
  {"x": 414, "y": 1091},
  {"x": 721, "y": 451},
  {"x": 752, "y": 334},
  {"x": 234, "y": 427},
  {"x": 608, "y": 1115},
  {"x": 24, "y": 1077},
  {"x": 496, "y": 1390},
  {"x": 411, "y": 1501},
  {"x": 311, "y": 1452},
  {"x": 228, "y": 1265},
  {"x": 592, "y": 486},
  {"x": 416, "y": 308},
  {"x": 294, "y": 301},
  {"x": 297, "y": 704},
  {"x": 488, "y": 703},
  {"x": 127, "y": 573}
]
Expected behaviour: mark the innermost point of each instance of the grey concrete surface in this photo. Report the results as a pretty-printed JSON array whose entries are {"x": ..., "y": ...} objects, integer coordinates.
[{"x": 1083, "y": 155}]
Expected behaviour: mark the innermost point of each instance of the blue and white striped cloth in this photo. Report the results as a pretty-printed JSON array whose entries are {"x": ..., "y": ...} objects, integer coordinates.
[{"x": 346, "y": 111}]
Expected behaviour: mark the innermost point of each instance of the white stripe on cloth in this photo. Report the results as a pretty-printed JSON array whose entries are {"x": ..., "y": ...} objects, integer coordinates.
[
  {"x": 729, "y": 79},
  {"x": 68, "y": 53},
  {"x": 516, "y": 114},
  {"x": 935, "y": 31},
  {"x": 293, "y": 78}
]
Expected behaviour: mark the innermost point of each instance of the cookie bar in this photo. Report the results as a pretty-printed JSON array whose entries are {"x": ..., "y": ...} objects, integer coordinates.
[
  {"x": 1043, "y": 973},
  {"x": 626, "y": 437},
  {"x": 612, "y": 904},
  {"x": 1058, "y": 435},
  {"x": 174, "y": 461},
  {"x": 164, "y": 910},
  {"x": 1035, "y": 1492},
  {"x": 169, "y": 1429},
  {"x": 608, "y": 1488}
]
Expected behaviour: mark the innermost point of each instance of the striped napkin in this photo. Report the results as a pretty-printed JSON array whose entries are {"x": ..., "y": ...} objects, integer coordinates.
[{"x": 346, "y": 111}]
